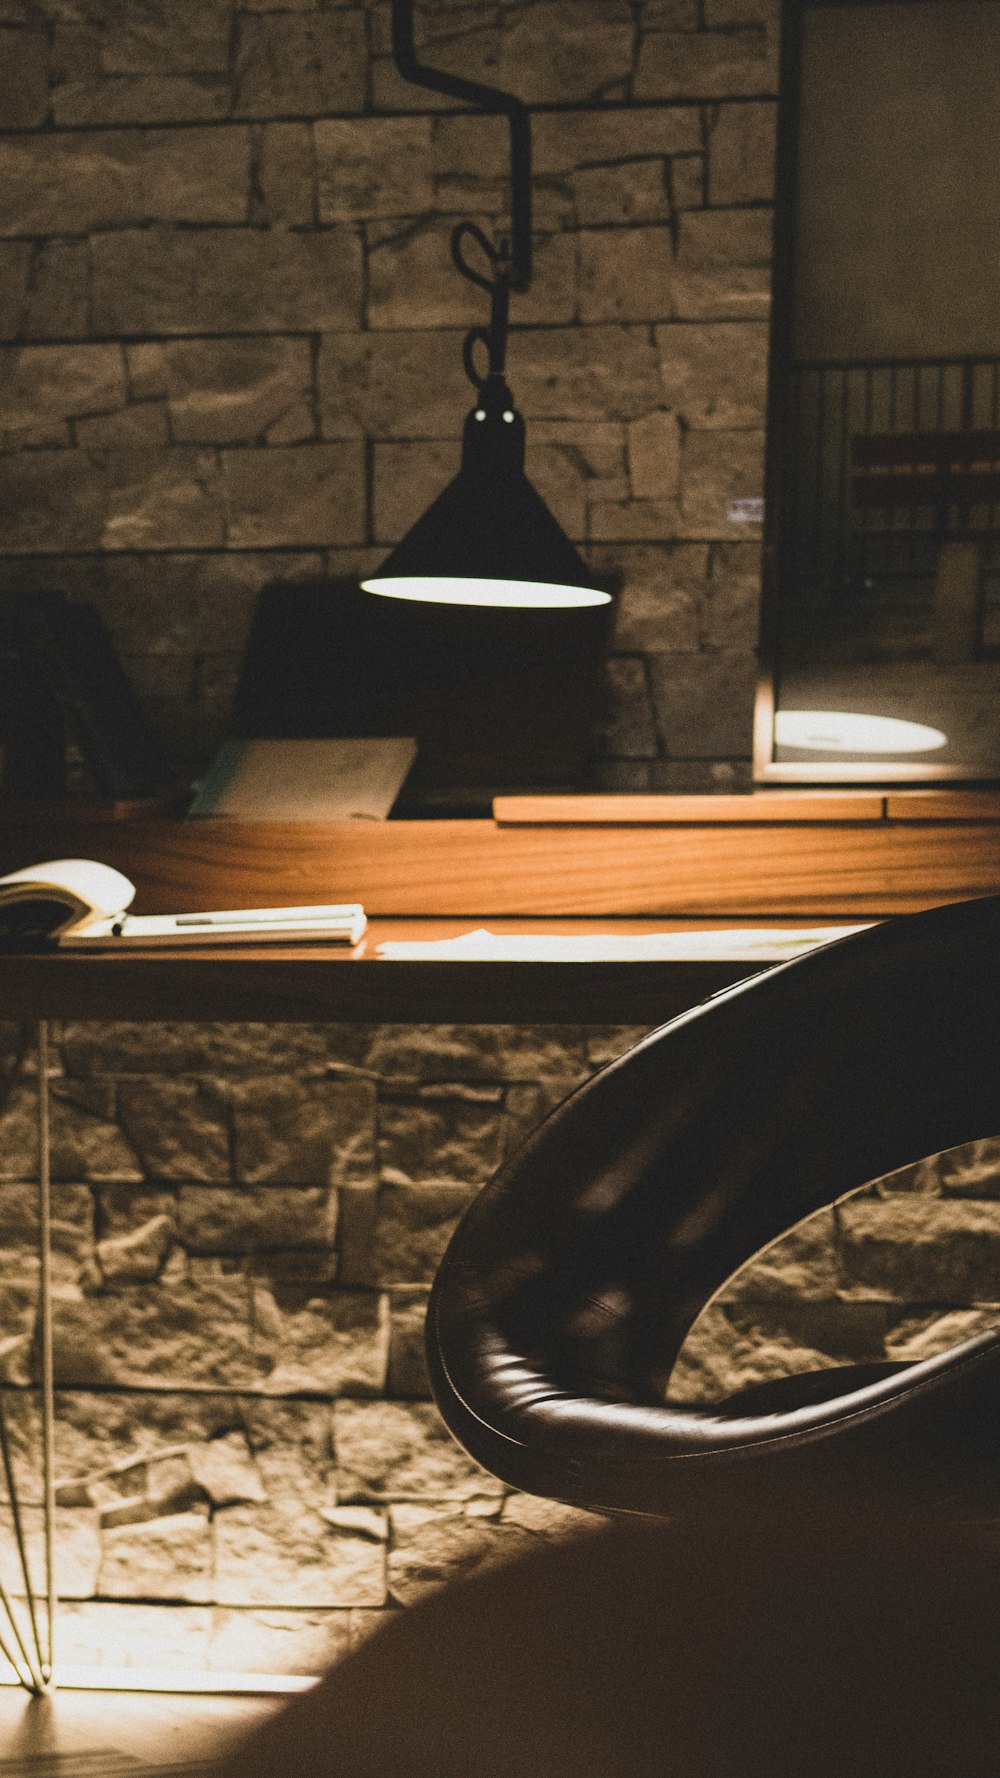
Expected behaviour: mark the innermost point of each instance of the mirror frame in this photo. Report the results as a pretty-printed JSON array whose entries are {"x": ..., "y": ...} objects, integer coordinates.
[{"x": 765, "y": 768}]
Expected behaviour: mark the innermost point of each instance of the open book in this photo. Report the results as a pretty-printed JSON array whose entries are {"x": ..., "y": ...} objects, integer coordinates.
[{"x": 78, "y": 903}]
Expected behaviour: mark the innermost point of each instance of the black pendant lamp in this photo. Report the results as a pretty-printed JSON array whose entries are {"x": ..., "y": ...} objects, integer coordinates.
[{"x": 489, "y": 538}]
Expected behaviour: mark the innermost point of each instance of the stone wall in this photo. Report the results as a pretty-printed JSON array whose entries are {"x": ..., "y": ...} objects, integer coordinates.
[
  {"x": 247, "y": 1219},
  {"x": 233, "y": 329}
]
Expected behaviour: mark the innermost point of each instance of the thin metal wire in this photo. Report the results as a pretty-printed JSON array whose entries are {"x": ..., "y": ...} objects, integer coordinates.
[
  {"x": 36, "y": 1672},
  {"x": 45, "y": 1314}
]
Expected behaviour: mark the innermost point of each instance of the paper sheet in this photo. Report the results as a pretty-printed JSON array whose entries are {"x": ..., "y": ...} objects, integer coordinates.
[{"x": 730, "y": 945}]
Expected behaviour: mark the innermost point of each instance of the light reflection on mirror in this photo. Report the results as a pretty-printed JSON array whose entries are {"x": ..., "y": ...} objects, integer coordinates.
[
  {"x": 851, "y": 731},
  {"x": 883, "y": 493}
]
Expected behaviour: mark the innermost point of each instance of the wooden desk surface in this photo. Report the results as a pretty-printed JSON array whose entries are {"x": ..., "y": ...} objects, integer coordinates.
[{"x": 316, "y": 982}]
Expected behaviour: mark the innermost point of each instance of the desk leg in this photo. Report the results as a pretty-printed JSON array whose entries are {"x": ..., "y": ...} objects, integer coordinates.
[
  {"x": 45, "y": 1343},
  {"x": 30, "y": 1657}
]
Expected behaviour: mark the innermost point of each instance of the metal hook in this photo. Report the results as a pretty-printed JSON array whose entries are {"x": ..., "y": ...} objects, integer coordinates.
[{"x": 489, "y": 99}]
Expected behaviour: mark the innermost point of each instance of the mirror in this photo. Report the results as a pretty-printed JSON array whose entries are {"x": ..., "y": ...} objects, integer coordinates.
[{"x": 881, "y": 610}]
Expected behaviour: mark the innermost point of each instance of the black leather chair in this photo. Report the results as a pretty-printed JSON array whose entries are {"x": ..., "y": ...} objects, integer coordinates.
[
  {"x": 569, "y": 1287},
  {"x": 746, "y": 1638}
]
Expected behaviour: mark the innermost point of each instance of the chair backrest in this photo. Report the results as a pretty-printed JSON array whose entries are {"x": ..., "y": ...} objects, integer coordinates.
[{"x": 570, "y": 1285}]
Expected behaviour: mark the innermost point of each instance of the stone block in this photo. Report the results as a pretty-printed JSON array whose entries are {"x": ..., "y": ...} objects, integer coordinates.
[
  {"x": 972, "y": 1170},
  {"x": 432, "y": 1546},
  {"x": 569, "y": 463},
  {"x": 301, "y": 64},
  {"x": 630, "y": 191},
  {"x": 373, "y": 166},
  {"x": 393, "y": 385},
  {"x": 565, "y": 141},
  {"x": 661, "y": 591},
  {"x": 714, "y": 376},
  {"x": 631, "y": 521},
  {"x": 101, "y": 179},
  {"x": 605, "y": 1043},
  {"x": 706, "y": 65},
  {"x": 300, "y": 495},
  {"x": 121, "y": 1048},
  {"x": 291, "y": 1131},
  {"x": 725, "y": 15},
  {"x": 717, "y": 469},
  {"x": 916, "y": 1337},
  {"x": 413, "y": 283},
  {"x": 24, "y": 79},
  {"x": 112, "y": 1633},
  {"x": 606, "y": 372},
  {"x": 275, "y": 1641},
  {"x": 16, "y": 259},
  {"x": 548, "y": 1519},
  {"x": 162, "y": 499},
  {"x": 46, "y": 292},
  {"x": 72, "y": 1221},
  {"x": 732, "y": 597},
  {"x": 19, "y": 1309},
  {"x": 102, "y": 1432},
  {"x": 561, "y": 50},
  {"x": 179, "y": 1126},
  {"x": 254, "y": 1219},
  {"x": 719, "y": 1358},
  {"x": 803, "y": 1265},
  {"x": 76, "y": 1551},
  {"x": 393, "y": 1450},
  {"x": 723, "y": 269},
  {"x": 195, "y": 175},
  {"x": 626, "y": 274},
  {"x": 265, "y": 1555},
  {"x": 463, "y": 40},
  {"x": 218, "y": 281},
  {"x": 224, "y": 1470},
  {"x": 166, "y": 1335},
  {"x": 50, "y": 500},
  {"x": 704, "y": 702},
  {"x": 138, "y": 430},
  {"x": 407, "y": 477},
  {"x": 413, "y": 1225},
  {"x": 945, "y": 1252},
  {"x": 741, "y": 154},
  {"x": 687, "y": 181},
  {"x": 88, "y": 97},
  {"x": 654, "y": 455},
  {"x": 168, "y": 37},
  {"x": 284, "y": 175},
  {"x": 320, "y": 1337},
  {"x": 168, "y": 1558},
  {"x": 449, "y": 1139},
  {"x": 85, "y": 1142},
  {"x": 137, "y": 1256},
  {"x": 408, "y": 1379},
  {"x": 627, "y": 729},
  {"x": 359, "y": 1205},
  {"x": 292, "y": 1450}
]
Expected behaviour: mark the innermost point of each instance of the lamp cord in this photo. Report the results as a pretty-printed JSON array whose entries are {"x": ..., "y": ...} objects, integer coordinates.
[{"x": 510, "y": 260}]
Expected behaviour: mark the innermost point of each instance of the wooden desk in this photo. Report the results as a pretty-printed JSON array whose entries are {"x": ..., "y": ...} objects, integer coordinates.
[{"x": 317, "y": 982}]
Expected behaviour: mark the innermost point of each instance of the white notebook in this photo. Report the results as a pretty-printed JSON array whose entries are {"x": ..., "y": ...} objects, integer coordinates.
[
  {"x": 77, "y": 903},
  {"x": 343, "y": 779}
]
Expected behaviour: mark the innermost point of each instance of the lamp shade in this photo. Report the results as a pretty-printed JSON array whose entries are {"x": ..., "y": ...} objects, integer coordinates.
[{"x": 489, "y": 538}]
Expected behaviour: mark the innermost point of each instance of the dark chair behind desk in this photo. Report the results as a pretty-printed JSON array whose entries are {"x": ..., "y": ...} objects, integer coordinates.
[
  {"x": 496, "y": 699},
  {"x": 822, "y": 1600}
]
